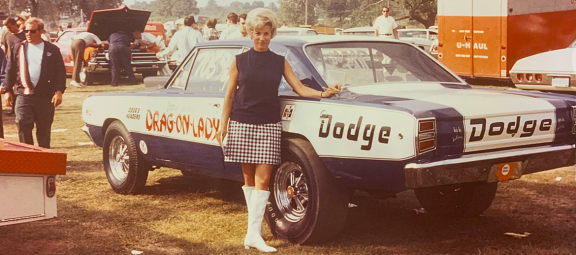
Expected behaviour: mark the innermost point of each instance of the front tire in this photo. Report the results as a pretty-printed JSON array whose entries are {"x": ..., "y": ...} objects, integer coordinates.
[
  {"x": 307, "y": 204},
  {"x": 467, "y": 199},
  {"x": 125, "y": 169}
]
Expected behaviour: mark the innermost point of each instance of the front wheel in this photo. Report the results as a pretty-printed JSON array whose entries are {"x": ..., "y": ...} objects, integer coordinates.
[
  {"x": 125, "y": 169},
  {"x": 307, "y": 204},
  {"x": 467, "y": 199}
]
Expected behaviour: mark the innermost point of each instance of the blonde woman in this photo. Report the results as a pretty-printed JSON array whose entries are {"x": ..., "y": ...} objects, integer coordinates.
[{"x": 251, "y": 131}]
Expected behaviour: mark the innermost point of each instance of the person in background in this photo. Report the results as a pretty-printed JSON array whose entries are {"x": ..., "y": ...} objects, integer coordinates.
[
  {"x": 147, "y": 41},
  {"x": 251, "y": 131},
  {"x": 2, "y": 74},
  {"x": 82, "y": 24},
  {"x": 241, "y": 32},
  {"x": 183, "y": 41},
  {"x": 385, "y": 26},
  {"x": 60, "y": 31},
  {"x": 22, "y": 17},
  {"x": 232, "y": 21},
  {"x": 14, "y": 36},
  {"x": 211, "y": 33},
  {"x": 79, "y": 43},
  {"x": 69, "y": 26},
  {"x": 120, "y": 55},
  {"x": 37, "y": 98}
]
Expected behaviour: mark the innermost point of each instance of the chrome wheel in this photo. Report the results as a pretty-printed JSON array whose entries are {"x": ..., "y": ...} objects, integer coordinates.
[
  {"x": 118, "y": 158},
  {"x": 83, "y": 75},
  {"x": 291, "y": 191}
]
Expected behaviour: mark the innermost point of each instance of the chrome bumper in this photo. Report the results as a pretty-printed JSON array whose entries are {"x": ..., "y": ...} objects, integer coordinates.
[{"x": 484, "y": 166}]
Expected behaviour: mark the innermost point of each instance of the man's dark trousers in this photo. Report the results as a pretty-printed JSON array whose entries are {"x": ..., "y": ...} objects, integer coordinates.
[
  {"x": 120, "y": 57},
  {"x": 77, "y": 51},
  {"x": 32, "y": 109}
]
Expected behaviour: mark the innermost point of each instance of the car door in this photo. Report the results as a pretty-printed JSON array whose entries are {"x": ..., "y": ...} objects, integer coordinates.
[{"x": 207, "y": 86}]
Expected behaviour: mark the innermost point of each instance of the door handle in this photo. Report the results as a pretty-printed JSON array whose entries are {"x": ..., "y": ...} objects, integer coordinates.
[{"x": 215, "y": 105}]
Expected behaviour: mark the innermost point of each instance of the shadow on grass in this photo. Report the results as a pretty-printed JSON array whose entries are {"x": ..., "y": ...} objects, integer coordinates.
[
  {"x": 394, "y": 222},
  {"x": 226, "y": 190}
]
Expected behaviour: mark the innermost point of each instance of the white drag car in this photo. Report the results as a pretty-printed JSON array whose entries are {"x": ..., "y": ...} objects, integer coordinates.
[
  {"x": 402, "y": 121},
  {"x": 552, "y": 70}
]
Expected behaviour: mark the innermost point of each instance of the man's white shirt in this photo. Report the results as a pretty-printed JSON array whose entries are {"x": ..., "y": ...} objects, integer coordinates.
[
  {"x": 182, "y": 43},
  {"x": 88, "y": 37},
  {"x": 34, "y": 55},
  {"x": 234, "y": 35},
  {"x": 385, "y": 25},
  {"x": 229, "y": 31},
  {"x": 148, "y": 39}
]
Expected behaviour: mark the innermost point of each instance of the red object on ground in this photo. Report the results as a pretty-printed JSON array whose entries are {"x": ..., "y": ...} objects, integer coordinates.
[{"x": 22, "y": 158}]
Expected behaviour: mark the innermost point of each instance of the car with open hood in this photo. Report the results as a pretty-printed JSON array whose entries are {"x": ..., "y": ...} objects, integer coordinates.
[
  {"x": 402, "y": 121},
  {"x": 102, "y": 24},
  {"x": 548, "y": 71}
]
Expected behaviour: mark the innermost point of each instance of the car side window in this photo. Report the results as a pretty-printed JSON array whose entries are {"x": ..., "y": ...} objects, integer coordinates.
[
  {"x": 181, "y": 77},
  {"x": 211, "y": 69},
  {"x": 66, "y": 38}
]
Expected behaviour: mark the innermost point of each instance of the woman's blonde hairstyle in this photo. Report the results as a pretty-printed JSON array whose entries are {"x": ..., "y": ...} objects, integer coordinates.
[{"x": 259, "y": 18}]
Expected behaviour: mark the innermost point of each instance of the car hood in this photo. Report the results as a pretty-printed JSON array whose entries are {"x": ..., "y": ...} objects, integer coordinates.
[
  {"x": 105, "y": 22},
  {"x": 558, "y": 61}
]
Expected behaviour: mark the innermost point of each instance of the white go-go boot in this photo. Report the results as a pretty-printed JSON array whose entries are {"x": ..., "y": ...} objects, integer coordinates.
[{"x": 256, "y": 208}]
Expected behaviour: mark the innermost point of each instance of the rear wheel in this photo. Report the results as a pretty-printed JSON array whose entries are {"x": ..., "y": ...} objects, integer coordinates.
[
  {"x": 307, "y": 204},
  {"x": 125, "y": 169},
  {"x": 467, "y": 199}
]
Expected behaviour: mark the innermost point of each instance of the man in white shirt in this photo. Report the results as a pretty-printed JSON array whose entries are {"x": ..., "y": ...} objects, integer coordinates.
[
  {"x": 79, "y": 43},
  {"x": 241, "y": 32},
  {"x": 183, "y": 41},
  {"x": 232, "y": 21},
  {"x": 385, "y": 26}
]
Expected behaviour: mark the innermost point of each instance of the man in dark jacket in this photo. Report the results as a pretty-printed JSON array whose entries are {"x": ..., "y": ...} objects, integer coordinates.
[
  {"x": 120, "y": 56},
  {"x": 37, "y": 69}
]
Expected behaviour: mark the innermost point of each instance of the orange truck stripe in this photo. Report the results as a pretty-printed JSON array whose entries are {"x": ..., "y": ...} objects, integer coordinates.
[{"x": 19, "y": 158}]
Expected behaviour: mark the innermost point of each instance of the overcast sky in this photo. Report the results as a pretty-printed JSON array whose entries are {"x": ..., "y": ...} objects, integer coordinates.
[{"x": 202, "y": 3}]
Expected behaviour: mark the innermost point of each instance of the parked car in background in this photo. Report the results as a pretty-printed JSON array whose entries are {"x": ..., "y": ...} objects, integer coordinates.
[
  {"x": 97, "y": 66},
  {"x": 157, "y": 29},
  {"x": 416, "y": 36},
  {"x": 552, "y": 71},
  {"x": 403, "y": 121},
  {"x": 365, "y": 31},
  {"x": 423, "y": 38},
  {"x": 282, "y": 31},
  {"x": 433, "y": 28},
  {"x": 434, "y": 49}
]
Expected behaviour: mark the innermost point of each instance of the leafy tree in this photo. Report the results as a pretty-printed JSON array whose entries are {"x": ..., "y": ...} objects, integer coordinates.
[
  {"x": 339, "y": 10},
  {"x": 272, "y": 7},
  {"x": 423, "y": 11},
  {"x": 236, "y": 6},
  {"x": 246, "y": 6},
  {"x": 293, "y": 11},
  {"x": 257, "y": 4},
  {"x": 176, "y": 8},
  {"x": 142, "y": 6}
]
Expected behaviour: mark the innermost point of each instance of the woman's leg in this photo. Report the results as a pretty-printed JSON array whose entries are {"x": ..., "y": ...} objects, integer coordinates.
[
  {"x": 262, "y": 176},
  {"x": 249, "y": 171}
]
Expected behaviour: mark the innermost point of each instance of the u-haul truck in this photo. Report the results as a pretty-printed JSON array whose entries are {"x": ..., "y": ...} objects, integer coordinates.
[{"x": 484, "y": 38}]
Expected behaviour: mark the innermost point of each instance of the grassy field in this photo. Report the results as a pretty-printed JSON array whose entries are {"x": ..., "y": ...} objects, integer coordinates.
[{"x": 200, "y": 215}]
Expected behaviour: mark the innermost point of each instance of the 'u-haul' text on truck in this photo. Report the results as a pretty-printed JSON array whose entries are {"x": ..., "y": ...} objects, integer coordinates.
[{"x": 484, "y": 38}]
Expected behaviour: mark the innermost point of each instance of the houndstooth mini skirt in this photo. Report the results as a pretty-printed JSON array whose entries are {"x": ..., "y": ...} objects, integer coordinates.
[{"x": 253, "y": 143}]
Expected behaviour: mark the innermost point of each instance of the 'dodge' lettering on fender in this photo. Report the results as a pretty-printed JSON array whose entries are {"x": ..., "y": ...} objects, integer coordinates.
[
  {"x": 511, "y": 128},
  {"x": 182, "y": 124},
  {"x": 353, "y": 131}
]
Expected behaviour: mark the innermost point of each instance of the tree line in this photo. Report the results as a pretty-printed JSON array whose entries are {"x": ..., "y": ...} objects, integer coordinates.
[{"x": 336, "y": 13}]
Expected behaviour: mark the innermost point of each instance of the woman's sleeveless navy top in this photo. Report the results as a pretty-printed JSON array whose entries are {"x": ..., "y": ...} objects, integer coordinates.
[{"x": 259, "y": 76}]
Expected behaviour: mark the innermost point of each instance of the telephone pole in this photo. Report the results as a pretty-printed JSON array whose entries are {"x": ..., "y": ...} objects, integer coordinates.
[{"x": 306, "y": 17}]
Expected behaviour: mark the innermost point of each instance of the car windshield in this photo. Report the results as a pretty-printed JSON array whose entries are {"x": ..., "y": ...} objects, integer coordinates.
[{"x": 358, "y": 63}]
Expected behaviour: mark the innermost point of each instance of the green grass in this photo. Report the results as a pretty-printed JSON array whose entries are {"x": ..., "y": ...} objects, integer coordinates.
[{"x": 201, "y": 215}]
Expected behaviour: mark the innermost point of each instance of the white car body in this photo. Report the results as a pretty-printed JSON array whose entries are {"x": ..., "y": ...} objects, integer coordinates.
[
  {"x": 290, "y": 31},
  {"x": 553, "y": 70}
]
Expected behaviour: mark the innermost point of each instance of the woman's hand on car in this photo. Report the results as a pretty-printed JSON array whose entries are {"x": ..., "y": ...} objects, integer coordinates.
[
  {"x": 332, "y": 91},
  {"x": 221, "y": 134}
]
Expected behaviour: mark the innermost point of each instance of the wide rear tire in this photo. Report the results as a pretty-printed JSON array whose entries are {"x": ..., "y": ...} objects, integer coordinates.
[
  {"x": 307, "y": 204},
  {"x": 125, "y": 169},
  {"x": 467, "y": 199}
]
